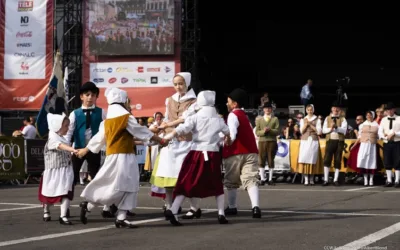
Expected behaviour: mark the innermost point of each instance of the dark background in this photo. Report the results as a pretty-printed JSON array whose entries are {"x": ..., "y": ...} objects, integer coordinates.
[{"x": 278, "y": 56}]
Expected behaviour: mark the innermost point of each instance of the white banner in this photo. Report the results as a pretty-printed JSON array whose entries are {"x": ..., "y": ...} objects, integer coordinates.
[
  {"x": 132, "y": 74},
  {"x": 282, "y": 157},
  {"x": 25, "y": 39}
]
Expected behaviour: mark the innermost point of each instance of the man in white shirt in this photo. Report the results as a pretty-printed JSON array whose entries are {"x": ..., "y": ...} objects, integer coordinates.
[
  {"x": 29, "y": 130},
  {"x": 389, "y": 131},
  {"x": 305, "y": 94},
  {"x": 335, "y": 128}
]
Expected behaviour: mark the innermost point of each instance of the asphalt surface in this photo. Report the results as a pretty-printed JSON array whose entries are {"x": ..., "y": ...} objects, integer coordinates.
[{"x": 294, "y": 217}]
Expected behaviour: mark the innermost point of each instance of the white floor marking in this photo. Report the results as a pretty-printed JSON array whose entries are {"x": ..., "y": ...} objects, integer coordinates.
[
  {"x": 357, "y": 189},
  {"x": 18, "y": 208},
  {"x": 369, "y": 239}
]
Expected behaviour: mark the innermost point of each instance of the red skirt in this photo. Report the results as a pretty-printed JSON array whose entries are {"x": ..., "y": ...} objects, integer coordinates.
[
  {"x": 352, "y": 161},
  {"x": 199, "y": 178},
  {"x": 52, "y": 200}
]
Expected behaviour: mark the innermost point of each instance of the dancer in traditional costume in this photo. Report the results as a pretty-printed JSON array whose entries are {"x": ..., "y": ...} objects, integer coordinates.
[
  {"x": 389, "y": 131},
  {"x": 56, "y": 184},
  {"x": 310, "y": 127},
  {"x": 240, "y": 157},
  {"x": 367, "y": 153},
  {"x": 180, "y": 106},
  {"x": 335, "y": 128},
  {"x": 267, "y": 129},
  {"x": 201, "y": 175},
  {"x": 117, "y": 182}
]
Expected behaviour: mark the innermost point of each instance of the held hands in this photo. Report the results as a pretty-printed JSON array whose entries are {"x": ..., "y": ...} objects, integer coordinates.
[
  {"x": 227, "y": 140},
  {"x": 163, "y": 126},
  {"x": 82, "y": 152},
  {"x": 267, "y": 129}
]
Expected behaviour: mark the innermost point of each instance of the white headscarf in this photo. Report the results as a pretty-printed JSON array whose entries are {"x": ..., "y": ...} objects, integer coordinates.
[
  {"x": 313, "y": 109},
  {"x": 206, "y": 98},
  {"x": 373, "y": 114},
  {"x": 187, "y": 76},
  {"x": 55, "y": 122},
  {"x": 116, "y": 95}
]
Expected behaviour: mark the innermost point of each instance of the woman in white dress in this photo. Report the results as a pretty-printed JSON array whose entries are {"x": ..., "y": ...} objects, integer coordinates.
[
  {"x": 366, "y": 157},
  {"x": 310, "y": 127},
  {"x": 168, "y": 165},
  {"x": 117, "y": 181}
]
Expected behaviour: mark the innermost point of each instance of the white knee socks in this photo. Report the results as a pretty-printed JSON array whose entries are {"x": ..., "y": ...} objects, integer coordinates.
[
  {"x": 397, "y": 176},
  {"x": 306, "y": 179},
  {"x": 106, "y": 208},
  {"x": 389, "y": 176},
  {"x": 336, "y": 175},
  {"x": 311, "y": 179},
  {"x": 220, "y": 204},
  {"x": 64, "y": 207},
  {"x": 262, "y": 173},
  {"x": 232, "y": 193},
  {"x": 254, "y": 196},
  {"x": 271, "y": 173},
  {"x": 365, "y": 179},
  {"x": 194, "y": 203},
  {"x": 121, "y": 214},
  {"x": 168, "y": 197},
  {"x": 326, "y": 174},
  {"x": 177, "y": 203},
  {"x": 371, "y": 179}
]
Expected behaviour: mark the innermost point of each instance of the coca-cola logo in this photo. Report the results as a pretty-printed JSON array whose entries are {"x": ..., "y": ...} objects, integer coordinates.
[
  {"x": 112, "y": 80},
  {"x": 24, "y": 34},
  {"x": 140, "y": 69}
]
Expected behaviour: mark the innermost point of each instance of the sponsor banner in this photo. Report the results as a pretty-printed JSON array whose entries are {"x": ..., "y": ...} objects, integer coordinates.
[
  {"x": 12, "y": 158},
  {"x": 35, "y": 156},
  {"x": 132, "y": 74},
  {"x": 26, "y": 52}
]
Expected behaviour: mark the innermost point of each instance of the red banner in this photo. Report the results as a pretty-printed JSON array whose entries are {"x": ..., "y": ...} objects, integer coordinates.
[
  {"x": 26, "y": 53},
  {"x": 127, "y": 28}
]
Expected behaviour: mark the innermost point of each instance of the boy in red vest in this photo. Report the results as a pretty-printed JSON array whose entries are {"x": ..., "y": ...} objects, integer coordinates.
[{"x": 240, "y": 158}]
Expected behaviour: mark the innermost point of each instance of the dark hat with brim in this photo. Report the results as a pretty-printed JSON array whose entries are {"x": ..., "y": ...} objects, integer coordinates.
[
  {"x": 239, "y": 96},
  {"x": 89, "y": 86},
  {"x": 390, "y": 105},
  {"x": 336, "y": 104},
  {"x": 267, "y": 105}
]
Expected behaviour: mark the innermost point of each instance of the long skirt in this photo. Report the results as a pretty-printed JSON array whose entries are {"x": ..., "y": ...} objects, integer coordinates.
[
  {"x": 52, "y": 200},
  {"x": 200, "y": 178},
  {"x": 352, "y": 162}
]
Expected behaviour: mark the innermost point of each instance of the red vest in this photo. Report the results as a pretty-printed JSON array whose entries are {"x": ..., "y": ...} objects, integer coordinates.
[{"x": 245, "y": 142}]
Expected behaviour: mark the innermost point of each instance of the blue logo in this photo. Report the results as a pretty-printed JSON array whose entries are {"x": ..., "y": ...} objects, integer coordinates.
[
  {"x": 97, "y": 80},
  {"x": 109, "y": 70},
  {"x": 283, "y": 149}
]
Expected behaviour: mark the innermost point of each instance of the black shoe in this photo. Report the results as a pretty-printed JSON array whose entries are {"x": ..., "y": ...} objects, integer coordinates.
[
  {"x": 64, "y": 222},
  {"x": 124, "y": 224},
  {"x": 107, "y": 214},
  {"x": 388, "y": 184},
  {"x": 113, "y": 209},
  {"x": 131, "y": 214},
  {"x": 261, "y": 183},
  {"x": 325, "y": 184},
  {"x": 231, "y": 211},
  {"x": 222, "y": 219},
  {"x": 84, "y": 210},
  {"x": 171, "y": 217},
  {"x": 256, "y": 212},
  {"x": 196, "y": 214},
  {"x": 271, "y": 183},
  {"x": 46, "y": 218}
]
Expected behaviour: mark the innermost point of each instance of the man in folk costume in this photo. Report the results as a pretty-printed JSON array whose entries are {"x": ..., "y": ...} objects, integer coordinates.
[
  {"x": 84, "y": 124},
  {"x": 180, "y": 106},
  {"x": 389, "y": 131},
  {"x": 335, "y": 128},
  {"x": 56, "y": 184},
  {"x": 240, "y": 155},
  {"x": 267, "y": 129},
  {"x": 201, "y": 175},
  {"x": 117, "y": 182}
]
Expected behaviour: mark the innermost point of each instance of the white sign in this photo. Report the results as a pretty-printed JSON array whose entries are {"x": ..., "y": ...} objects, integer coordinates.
[
  {"x": 25, "y": 39},
  {"x": 132, "y": 74}
]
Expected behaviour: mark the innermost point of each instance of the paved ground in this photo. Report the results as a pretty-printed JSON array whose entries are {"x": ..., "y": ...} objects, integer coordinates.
[{"x": 294, "y": 217}]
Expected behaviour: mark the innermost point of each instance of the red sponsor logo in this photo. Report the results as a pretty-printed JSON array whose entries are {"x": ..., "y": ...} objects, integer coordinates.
[
  {"x": 140, "y": 69},
  {"x": 24, "y": 34},
  {"x": 112, "y": 80},
  {"x": 25, "y": 6},
  {"x": 153, "y": 69}
]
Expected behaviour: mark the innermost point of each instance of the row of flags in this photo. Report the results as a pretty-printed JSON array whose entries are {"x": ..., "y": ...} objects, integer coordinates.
[{"x": 57, "y": 96}]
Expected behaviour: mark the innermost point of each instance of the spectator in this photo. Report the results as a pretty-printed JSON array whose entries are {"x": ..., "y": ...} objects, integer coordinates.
[
  {"x": 29, "y": 131},
  {"x": 299, "y": 116},
  {"x": 306, "y": 94},
  {"x": 359, "y": 121}
]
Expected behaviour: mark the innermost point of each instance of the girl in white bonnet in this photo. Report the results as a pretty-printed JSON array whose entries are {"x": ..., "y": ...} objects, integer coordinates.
[{"x": 56, "y": 184}]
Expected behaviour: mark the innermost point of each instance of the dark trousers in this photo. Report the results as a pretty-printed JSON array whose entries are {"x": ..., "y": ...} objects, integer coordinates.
[
  {"x": 305, "y": 102},
  {"x": 391, "y": 155},
  {"x": 266, "y": 152},
  {"x": 333, "y": 149},
  {"x": 93, "y": 161}
]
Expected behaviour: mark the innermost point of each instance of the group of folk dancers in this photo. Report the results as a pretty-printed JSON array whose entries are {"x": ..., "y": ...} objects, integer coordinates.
[{"x": 188, "y": 164}]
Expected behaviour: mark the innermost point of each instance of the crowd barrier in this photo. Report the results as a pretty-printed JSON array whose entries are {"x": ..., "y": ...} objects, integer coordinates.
[{"x": 20, "y": 158}]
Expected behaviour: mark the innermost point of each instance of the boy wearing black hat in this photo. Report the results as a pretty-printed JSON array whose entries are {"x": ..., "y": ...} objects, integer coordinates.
[
  {"x": 267, "y": 129},
  {"x": 389, "y": 131},
  {"x": 240, "y": 155},
  {"x": 335, "y": 128}
]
